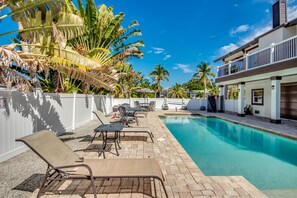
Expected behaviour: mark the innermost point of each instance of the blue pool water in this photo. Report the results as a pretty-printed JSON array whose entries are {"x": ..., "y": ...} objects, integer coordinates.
[{"x": 222, "y": 148}]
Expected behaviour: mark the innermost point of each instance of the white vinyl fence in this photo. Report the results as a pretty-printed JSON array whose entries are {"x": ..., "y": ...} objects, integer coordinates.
[
  {"x": 191, "y": 104},
  {"x": 22, "y": 114},
  {"x": 231, "y": 105}
]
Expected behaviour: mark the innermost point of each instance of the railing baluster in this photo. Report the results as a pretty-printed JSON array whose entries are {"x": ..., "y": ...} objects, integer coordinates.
[{"x": 286, "y": 49}]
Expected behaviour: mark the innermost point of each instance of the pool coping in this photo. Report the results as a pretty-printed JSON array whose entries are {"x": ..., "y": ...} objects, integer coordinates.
[{"x": 292, "y": 137}]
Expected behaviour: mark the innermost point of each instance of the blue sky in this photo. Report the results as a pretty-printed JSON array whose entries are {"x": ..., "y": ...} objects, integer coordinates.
[{"x": 181, "y": 34}]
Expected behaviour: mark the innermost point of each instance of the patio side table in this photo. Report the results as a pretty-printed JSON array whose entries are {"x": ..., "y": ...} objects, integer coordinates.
[{"x": 106, "y": 129}]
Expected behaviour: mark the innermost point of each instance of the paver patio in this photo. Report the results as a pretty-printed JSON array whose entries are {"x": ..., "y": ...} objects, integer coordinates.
[{"x": 183, "y": 177}]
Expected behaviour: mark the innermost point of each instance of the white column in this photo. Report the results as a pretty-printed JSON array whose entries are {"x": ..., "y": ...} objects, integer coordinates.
[
  {"x": 275, "y": 99},
  {"x": 130, "y": 102},
  {"x": 247, "y": 61},
  {"x": 272, "y": 52},
  {"x": 241, "y": 99},
  {"x": 74, "y": 109}
]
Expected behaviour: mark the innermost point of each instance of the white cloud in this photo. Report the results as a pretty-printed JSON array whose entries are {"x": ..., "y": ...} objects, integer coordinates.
[
  {"x": 184, "y": 67},
  {"x": 239, "y": 29},
  {"x": 292, "y": 12},
  {"x": 167, "y": 57},
  {"x": 158, "y": 50},
  {"x": 227, "y": 48},
  {"x": 255, "y": 33}
]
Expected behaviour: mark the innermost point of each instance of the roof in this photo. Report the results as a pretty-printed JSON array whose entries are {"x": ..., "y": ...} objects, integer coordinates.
[{"x": 255, "y": 40}]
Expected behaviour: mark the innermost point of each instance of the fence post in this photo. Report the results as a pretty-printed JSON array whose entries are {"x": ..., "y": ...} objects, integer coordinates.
[
  {"x": 92, "y": 106},
  {"x": 130, "y": 102},
  {"x": 74, "y": 109},
  {"x": 111, "y": 101}
]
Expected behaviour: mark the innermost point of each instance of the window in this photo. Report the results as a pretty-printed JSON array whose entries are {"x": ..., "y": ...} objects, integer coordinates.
[{"x": 257, "y": 96}]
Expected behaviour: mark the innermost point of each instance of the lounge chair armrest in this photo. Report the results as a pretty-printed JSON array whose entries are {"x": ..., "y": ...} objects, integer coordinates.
[{"x": 75, "y": 166}]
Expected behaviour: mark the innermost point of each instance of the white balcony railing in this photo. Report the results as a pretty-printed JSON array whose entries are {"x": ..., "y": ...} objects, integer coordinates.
[{"x": 279, "y": 52}]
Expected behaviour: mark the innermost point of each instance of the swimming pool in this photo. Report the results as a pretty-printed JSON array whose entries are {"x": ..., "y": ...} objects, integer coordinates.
[{"x": 222, "y": 148}]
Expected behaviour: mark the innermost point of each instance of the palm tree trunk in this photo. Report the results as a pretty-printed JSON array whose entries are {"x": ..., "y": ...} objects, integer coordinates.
[{"x": 159, "y": 90}]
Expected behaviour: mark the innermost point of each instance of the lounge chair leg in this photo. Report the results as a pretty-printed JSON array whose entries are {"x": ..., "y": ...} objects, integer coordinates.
[
  {"x": 94, "y": 188},
  {"x": 137, "y": 122},
  {"x": 44, "y": 181},
  {"x": 151, "y": 137},
  {"x": 94, "y": 137},
  {"x": 115, "y": 145}
]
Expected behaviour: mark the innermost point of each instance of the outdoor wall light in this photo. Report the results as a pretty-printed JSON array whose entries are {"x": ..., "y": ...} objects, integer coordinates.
[{"x": 272, "y": 87}]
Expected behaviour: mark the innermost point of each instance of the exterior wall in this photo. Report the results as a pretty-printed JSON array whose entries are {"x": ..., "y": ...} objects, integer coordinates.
[
  {"x": 274, "y": 37},
  {"x": 289, "y": 32},
  {"x": 264, "y": 111}
]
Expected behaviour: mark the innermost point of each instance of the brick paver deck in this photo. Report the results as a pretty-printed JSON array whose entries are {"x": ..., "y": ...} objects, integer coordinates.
[{"x": 183, "y": 177}]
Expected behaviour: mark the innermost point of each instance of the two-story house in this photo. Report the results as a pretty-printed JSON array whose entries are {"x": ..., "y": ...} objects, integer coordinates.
[{"x": 265, "y": 70}]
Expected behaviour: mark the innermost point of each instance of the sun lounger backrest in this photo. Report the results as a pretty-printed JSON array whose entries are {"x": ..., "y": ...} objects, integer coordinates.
[
  {"x": 50, "y": 148},
  {"x": 102, "y": 118}
]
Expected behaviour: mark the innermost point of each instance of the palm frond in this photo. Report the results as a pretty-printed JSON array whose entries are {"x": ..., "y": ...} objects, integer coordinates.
[
  {"x": 22, "y": 8},
  {"x": 70, "y": 25}
]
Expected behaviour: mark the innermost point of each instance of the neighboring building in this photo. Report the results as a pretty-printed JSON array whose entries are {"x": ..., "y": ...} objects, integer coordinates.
[{"x": 265, "y": 70}]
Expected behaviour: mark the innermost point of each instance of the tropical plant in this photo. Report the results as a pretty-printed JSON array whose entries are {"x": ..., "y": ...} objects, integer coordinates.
[
  {"x": 177, "y": 91},
  {"x": 194, "y": 84},
  {"x": 81, "y": 44},
  {"x": 106, "y": 34},
  {"x": 128, "y": 81},
  {"x": 160, "y": 74},
  {"x": 154, "y": 87},
  {"x": 233, "y": 92},
  {"x": 214, "y": 89},
  {"x": 204, "y": 73}
]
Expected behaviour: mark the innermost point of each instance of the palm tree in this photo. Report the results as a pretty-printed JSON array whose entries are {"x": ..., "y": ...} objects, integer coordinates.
[
  {"x": 214, "y": 89},
  {"x": 177, "y": 91},
  {"x": 160, "y": 74},
  {"x": 128, "y": 82},
  {"x": 82, "y": 44},
  {"x": 203, "y": 74}
]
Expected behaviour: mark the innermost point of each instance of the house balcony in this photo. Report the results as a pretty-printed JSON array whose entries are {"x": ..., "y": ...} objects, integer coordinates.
[{"x": 277, "y": 57}]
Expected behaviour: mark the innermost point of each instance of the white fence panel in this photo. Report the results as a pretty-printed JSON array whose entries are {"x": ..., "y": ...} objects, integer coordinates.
[
  {"x": 83, "y": 109},
  {"x": 195, "y": 104},
  {"x": 231, "y": 105},
  {"x": 16, "y": 121},
  {"x": 159, "y": 102},
  {"x": 63, "y": 105},
  {"x": 119, "y": 101},
  {"x": 103, "y": 103}
]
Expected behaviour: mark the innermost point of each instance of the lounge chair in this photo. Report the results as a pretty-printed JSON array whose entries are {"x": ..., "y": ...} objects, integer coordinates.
[
  {"x": 152, "y": 106},
  {"x": 127, "y": 117},
  {"x": 65, "y": 163},
  {"x": 101, "y": 117}
]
